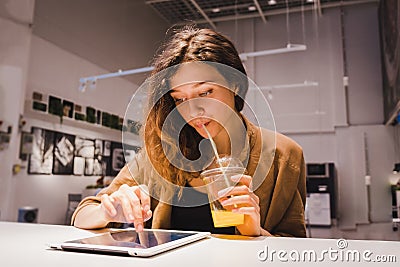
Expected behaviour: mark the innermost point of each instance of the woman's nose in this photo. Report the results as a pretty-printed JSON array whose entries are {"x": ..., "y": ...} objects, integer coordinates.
[
  {"x": 195, "y": 108},
  {"x": 191, "y": 108}
]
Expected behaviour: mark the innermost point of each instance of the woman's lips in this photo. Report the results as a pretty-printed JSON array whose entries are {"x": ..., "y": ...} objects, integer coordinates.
[{"x": 199, "y": 124}]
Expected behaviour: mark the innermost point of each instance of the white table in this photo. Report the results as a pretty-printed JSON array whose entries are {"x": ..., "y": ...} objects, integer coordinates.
[{"x": 25, "y": 245}]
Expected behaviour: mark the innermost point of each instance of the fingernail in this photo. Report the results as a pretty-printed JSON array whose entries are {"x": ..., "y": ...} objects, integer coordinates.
[
  {"x": 236, "y": 177},
  {"x": 131, "y": 217},
  {"x": 113, "y": 213},
  {"x": 223, "y": 192},
  {"x": 139, "y": 227},
  {"x": 146, "y": 208}
]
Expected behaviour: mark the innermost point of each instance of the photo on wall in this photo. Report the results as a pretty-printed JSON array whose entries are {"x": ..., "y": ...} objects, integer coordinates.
[
  {"x": 89, "y": 166},
  {"x": 116, "y": 159},
  {"x": 41, "y": 158},
  {"x": 79, "y": 166},
  {"x": 130, "y": 152},
  {"x": 98, "y": 155},
  {"x": 84, "y": 149},
  {"x": 119, "y": 157},
  {"x": 63, "y": 153},
  {"x": 68, "y": 108},
  {"x": 106, "y": 158}
]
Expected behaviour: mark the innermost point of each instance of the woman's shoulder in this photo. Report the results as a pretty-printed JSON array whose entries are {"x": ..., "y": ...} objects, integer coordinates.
[
  {"x": 285, "y": 148},
  {"x": 281, "y": 142},
  {"x": 286, "y": 144},
  {"x": 267, "y": 138}
]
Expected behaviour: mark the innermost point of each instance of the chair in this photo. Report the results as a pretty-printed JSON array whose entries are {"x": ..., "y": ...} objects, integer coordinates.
[{"x": 73, "y": 201}]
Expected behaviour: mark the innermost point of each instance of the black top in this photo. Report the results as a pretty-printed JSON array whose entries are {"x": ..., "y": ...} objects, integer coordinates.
[{"x": 185, "y": 216}]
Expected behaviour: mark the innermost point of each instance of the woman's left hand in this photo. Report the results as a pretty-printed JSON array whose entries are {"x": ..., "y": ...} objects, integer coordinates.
[{"x": 241, "y": 199}]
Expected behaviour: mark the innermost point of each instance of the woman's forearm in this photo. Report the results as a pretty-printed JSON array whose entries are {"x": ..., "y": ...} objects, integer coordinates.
[{"x": 90, "y": 217}]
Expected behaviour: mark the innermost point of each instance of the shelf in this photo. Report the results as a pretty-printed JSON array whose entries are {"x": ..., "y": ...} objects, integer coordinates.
[{"x": 30, "y": 113}]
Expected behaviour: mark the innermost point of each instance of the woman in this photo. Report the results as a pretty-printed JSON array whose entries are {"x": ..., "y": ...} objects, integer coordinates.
[{"x": 198, "y": 87}]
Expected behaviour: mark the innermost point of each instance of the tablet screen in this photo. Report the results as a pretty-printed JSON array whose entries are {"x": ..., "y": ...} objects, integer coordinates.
[{"x": 132, "y": 239}]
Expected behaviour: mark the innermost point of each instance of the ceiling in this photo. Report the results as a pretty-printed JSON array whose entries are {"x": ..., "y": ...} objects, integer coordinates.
[
  {"x": 211, "y": 11},
  {"x": 105, "y": 32},
  {"x": 114, "y": 35}
]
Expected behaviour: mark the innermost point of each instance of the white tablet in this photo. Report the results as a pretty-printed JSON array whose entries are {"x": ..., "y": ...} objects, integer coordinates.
[{"x": 130, "y": 243}]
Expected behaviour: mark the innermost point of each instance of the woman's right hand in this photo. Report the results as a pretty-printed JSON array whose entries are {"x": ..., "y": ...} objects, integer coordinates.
[{"x": 129, "y": 204}]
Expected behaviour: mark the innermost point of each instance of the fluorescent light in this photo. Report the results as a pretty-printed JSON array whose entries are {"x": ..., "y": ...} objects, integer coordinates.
[
  {"x": 287, "y": 49},
  {"x": 271, "y": 2},
  {"x": 92, "y": 80},
  {"x": 291, "y": 85},
  {"x": 252, "y": 8},
  {"x": 216, "y": 10}
]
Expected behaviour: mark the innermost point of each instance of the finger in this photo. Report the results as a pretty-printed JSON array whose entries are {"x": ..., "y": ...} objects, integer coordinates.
[
  {"x": 108, "y": 205},
  {"x": 147, "y": 215},
  {"x": 243, "y": 200},
  {"x": 246, "y": 210},
  {"x": 136, "y": 209},
  {"x": 242, "y": 179},
  {"x": 126, "y": 207},
  {"x": 235, "y": 190},
  {"x": 137, "y": 213},
  {"x": 143, "y": 192}
]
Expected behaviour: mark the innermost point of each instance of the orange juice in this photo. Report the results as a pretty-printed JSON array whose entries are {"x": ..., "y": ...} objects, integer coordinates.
[{"x": 223, "y": 218}]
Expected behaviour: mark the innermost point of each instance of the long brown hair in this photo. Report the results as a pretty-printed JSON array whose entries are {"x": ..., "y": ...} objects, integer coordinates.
[{"x": 189, "y": 44}]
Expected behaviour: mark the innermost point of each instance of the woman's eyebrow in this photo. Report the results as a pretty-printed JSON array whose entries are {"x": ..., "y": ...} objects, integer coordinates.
[{"x": 197, "y": 84}]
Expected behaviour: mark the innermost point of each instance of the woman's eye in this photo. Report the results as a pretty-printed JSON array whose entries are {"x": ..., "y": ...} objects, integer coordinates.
[
  {"x": 206, "y": 93},
  {"x": 179, "y": 100}
]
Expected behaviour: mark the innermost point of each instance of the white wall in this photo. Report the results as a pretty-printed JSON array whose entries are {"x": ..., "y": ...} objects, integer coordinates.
[
  {"x": 114, "y": 35},
  {"x": 364, "y": 65},
  {"x": 55, "y": 71},
  {"x": 15, "y": 38}
]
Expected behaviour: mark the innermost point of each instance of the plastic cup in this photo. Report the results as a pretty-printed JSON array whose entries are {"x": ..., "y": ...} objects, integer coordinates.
[{"x": 219, "y": 179}]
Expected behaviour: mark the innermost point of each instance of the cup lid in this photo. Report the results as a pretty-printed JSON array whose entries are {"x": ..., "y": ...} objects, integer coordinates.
[{"x": 225, "y": 164}]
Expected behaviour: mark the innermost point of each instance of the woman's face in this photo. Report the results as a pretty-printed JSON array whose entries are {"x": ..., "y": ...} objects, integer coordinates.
[{"x": 202, "y": 97}]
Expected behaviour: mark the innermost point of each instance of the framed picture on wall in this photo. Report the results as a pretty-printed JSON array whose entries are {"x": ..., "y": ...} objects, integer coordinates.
[
  {"x": 84, "y": 155},
  {"x": 120, "y": 154},
  {"x": 55, "y": 106},
  {"x": 63, "y": 153},
  {"x": 41, "y": 158},
  {"x": 90, "y": 114},
  {"x": 106, "y": 158},
  {"x": 117, "y": 158},
  {"x": 79, "y": 166},
  {"x": 84, "y": 147},
  {"x": 89, "y": 166},
  {"x": 68, "y": 109},
  {"x": 98, "y": 156},
  {"x": 130, "y": 152}
]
